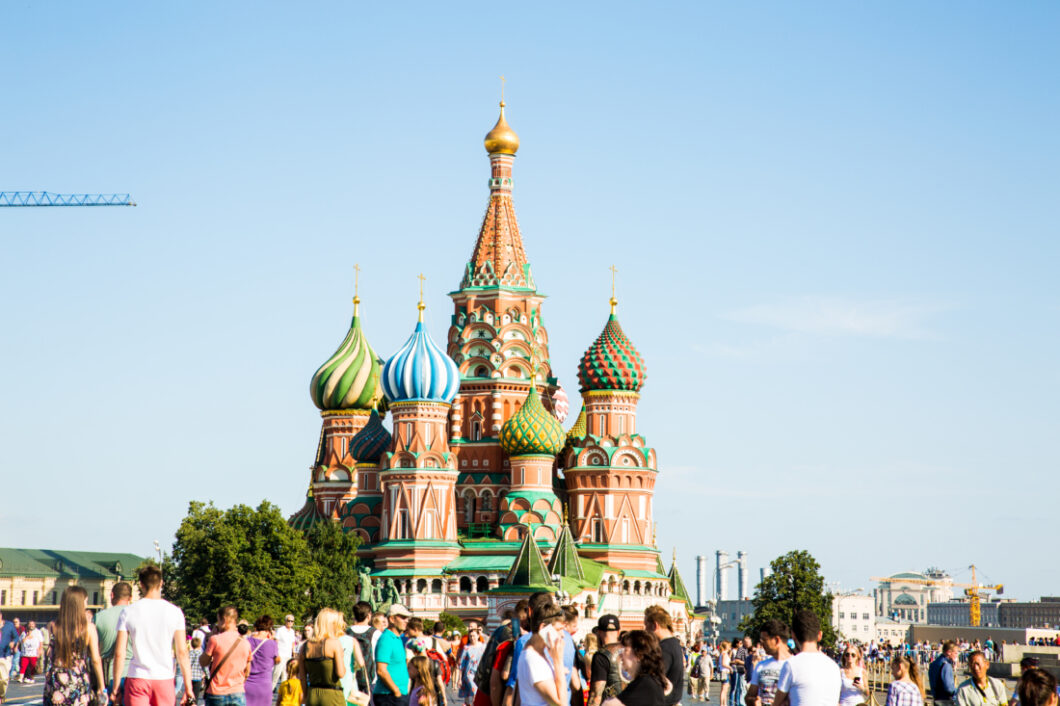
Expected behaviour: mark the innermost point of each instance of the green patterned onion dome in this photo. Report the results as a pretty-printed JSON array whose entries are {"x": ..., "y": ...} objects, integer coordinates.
[
  {"x": 350, "y": 378},
  {"x": 612, "y": 363},
  {"x": 308, "y": 515},
  {"x": 532, "y": 430},
  {"x": 371, "y": 441}
]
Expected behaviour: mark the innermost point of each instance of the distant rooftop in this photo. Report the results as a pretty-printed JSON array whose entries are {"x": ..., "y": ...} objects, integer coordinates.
[{"x": 58, "y": 563}]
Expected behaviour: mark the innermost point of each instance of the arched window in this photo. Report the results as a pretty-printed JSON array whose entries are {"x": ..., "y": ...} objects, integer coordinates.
[
  {"x": 487, "y": 502},
  {"x": 482, "y": 584},
  {"x": 625, "y": 587},
  {"x": 469, "y": 506},
  {"x": 636, "y": 587},
  {"x": 482, "y": 372},
  {"x": 465, "y": 584},
  {"x": 421, "y": 585},
  {"x": 436, "y": 586},
  {"x": 476, "y": 430}
]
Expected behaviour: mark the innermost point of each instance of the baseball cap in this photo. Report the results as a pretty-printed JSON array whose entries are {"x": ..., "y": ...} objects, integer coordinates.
[
  {"x": 398, "y": 609},
  {"x": 608, "y": 621}
]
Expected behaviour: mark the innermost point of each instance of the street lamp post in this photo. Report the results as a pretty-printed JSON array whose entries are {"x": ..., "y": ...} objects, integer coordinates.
[{"x": 158, "y": 548}]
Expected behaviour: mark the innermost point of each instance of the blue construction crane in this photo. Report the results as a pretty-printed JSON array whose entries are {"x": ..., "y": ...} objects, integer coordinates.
[{"x": 46, "y": 198}]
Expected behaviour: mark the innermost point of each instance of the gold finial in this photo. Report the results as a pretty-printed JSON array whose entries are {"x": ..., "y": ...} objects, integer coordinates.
[
  {"x": 501, "y": 139},
  {"x": 675, "y": 554},
  {"x": 356, "y": 287},
  {"x": 502, "y": 91},
  {"x": 614, "y": 301},
  {"x": 565, "y": 518},
  {"x": 421, "y": 305},
  {"x": 655, "y": 534}
]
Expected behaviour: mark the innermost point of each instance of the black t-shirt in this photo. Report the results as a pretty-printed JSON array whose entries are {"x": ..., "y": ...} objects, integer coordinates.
[
  {"x": 673, "y": 659},
  {"x": 642, "y": 691},
  {"x": 599, "y": 668}
]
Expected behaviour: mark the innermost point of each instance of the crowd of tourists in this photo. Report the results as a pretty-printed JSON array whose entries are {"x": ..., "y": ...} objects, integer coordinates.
[{"x": 139, "y": 653}]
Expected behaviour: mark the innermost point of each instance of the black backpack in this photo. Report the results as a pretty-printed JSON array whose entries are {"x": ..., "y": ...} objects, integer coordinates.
[
  {"x": 364, "y": 639},
  {"x": 485, "y": 665}
]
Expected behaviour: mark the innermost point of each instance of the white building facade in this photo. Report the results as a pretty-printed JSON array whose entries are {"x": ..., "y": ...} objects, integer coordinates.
[{"x": 854, "y": 616}]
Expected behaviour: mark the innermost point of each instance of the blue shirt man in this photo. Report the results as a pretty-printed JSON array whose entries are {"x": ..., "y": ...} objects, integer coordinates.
[
  {"x": 392, "y": 686},
  {"x": 941, "y": 673},
  {"x": 8, "y": 637}
]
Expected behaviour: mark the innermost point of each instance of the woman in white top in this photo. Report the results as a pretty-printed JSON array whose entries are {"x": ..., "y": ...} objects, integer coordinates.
[
  {"x": 854, "y": 690},
  {"x": 540, "y": 675},
  {"x": 724, "y": 670}
]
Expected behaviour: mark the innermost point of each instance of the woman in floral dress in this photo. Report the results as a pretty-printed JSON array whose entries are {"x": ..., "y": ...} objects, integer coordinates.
[
  {"x": 469, "y": 660},
  {"x": 73, "y": 651}
]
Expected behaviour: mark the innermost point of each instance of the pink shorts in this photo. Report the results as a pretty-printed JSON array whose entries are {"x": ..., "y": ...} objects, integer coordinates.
[{"x": 149, "y": 692}]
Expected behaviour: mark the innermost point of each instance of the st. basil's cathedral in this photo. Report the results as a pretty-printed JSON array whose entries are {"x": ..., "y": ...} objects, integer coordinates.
[{"x": 477, "y": 495}]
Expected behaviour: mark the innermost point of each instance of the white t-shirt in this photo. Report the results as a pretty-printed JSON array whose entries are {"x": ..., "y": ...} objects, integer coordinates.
[
  {"x": 810, "y": 679},
  {"x": 202, "y": 632},
  {"x": 534, "y": 668},
  {"x": 285, "y": 639},
  {"x": 765, "y": 676},
  {"x": 151, "y": 623},
  {"x": 31, "y": 643}
]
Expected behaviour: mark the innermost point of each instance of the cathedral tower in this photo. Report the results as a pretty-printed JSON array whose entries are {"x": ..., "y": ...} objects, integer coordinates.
[
  {"x": 496, "y": 333},
  {"x": 610, "y": 470},
  {"x": 346, "y": 389},
  {"x": 418, "y": 475}
]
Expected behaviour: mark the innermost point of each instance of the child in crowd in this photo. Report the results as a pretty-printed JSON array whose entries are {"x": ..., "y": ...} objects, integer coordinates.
[
  {"x": 197, "y": 675},
  {"x": 290, "y": 691},
  {"x": 422, "y": 692}
]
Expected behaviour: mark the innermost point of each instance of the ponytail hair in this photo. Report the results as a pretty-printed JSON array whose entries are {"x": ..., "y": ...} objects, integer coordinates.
[{"x": 914, "y": 672}]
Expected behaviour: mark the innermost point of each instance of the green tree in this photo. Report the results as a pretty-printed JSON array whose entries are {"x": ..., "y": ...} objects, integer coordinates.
[
  {"x": 249, "y": 557},
  {"x": 794, "y": 584},
  {"x": 335, "y": 554},
  {"x": 452, "y": 622}
]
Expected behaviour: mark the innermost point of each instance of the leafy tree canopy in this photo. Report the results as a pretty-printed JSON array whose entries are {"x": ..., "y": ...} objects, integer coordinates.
[
  {"x": 452, "y": 622},
  {"x": 335, "y": 554},
  {"x": 794, "y": 584},
  {"x": 248, "y": 557}
]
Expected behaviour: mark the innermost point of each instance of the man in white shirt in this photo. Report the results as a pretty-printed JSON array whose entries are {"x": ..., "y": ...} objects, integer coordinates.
[
  {"x": 202, "y": 632},
  {"x": 154, "y": 630},
  {"x": 31, "y": 642},
  {"x": 766, "y": 673},
  {"x": 810, "y": 678},
  {"x": 286, "y": 637}
]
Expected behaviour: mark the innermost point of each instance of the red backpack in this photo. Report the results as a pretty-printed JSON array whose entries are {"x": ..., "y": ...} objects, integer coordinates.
[{"x": 437, "y": 657}]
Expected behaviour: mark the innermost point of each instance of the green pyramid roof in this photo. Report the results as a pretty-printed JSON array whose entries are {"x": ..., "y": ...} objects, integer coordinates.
[
  {"x": 677, "y": 586},
  {"x": 529, "y": 568},
  {"x": 565, "y": 560}
]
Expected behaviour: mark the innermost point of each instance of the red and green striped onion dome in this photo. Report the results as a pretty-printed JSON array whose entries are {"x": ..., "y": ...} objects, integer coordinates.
[
  {"x": 371, "y": 441},
  {"x": 612, "y": 363},
  {"x": 532, "y": 430},
  {"x": 350, "y": 378}
]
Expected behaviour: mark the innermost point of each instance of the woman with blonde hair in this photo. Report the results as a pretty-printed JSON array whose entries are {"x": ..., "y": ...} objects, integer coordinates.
[
  {"x": 724, "y": 670},
  {"x": 73, "y": 650},
  {"x": 907, "y": 689},
  {"x": 321, "y": 665}
]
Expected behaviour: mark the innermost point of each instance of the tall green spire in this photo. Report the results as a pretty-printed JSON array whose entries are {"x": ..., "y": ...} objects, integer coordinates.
[
  {"x": 529, "y": 568},
  {"x": 565, "y": 561},
  {"x": 677, "y": 586}
]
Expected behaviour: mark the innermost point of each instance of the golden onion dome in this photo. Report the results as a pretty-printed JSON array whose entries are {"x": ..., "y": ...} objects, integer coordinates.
[{"x": 501, "y": 139}]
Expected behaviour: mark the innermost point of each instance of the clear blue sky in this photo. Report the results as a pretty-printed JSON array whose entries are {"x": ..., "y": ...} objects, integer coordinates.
[{"x": 835, "y": 226}]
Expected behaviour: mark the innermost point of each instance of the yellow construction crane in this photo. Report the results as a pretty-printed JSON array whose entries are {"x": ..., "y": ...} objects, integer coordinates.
[{"x": 971, "y": 591}]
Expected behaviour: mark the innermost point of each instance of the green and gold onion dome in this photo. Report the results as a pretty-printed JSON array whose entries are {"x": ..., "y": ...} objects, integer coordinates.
[
  {"x": 611, "y": 362},
  {"x": 350, "y": 378},
  {"x": 308, "y": 515},
  {"x": 580, "y": 428},
  {"x": 370, "y": 442},
  {"x": 532, "y": 430}
]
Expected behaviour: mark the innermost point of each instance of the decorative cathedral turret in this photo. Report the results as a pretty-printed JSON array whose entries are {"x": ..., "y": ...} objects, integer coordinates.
[
  {"x": 418, "y": 474},
  {"x": 610, "y": 471},
  {"x": 361, "y": 515},
  {"x": 531, "y": 438},
  {"x": 346, "y": 389},
  {"x": 496, "y": 332}
]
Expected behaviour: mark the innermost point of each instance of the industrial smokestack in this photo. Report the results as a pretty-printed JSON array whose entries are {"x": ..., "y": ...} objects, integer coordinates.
[
  {"x": 761, "y": 575},
  {"x": 741, "y": 575},
  {"x": 701, "y": 580},
  {"x": 721, "y": 571}
]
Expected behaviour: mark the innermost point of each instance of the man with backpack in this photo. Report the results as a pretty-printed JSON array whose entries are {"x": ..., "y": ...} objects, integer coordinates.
[
  {"x": 367, "y": 637},
  {"x": 605, "y": 673},
  {"x": 502, "y": 635},
  {"x": 417, "y": 643}
]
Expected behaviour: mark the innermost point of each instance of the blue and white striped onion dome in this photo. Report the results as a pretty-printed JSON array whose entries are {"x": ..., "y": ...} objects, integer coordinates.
[{"x": 420, "y": 371}]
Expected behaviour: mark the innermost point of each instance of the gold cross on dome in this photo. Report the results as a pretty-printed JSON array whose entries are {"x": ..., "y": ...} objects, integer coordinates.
[
  {"x": 614, "y": 302},
  {"x": 420, "y": 306}
]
